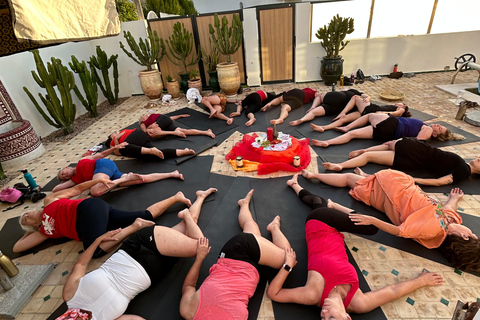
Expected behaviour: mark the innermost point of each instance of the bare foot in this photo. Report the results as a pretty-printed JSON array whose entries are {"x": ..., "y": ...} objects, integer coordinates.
[
  {"x": 250, "y": 122},
  {"x": 234, "y": 114},
  {"x": 213, "y": 113},
  {"x": 319, "y": 143},
  {"x": 295, "y": 122},
  {"x": 274, "y": 225},
  {"x": 430, "y": 279},
  {"x": 331, "y": 204},
  {"x": 316, "y": 128},
  {"x": 341, "y": 129},
  {"x": 276, "y": 121},
  {"x": 157, "y": 153},
  {"x": 293, "y": 180},
  {"x": 230, "y": 121},
  {"x": 185, "y": 152},
  {"x": 307, "y": 174},
  {"x": 332, "y": 166},
  {"x": 134, "y": 177},
  {"x": 356, "y": 153},
  {"x": 180, "y": 197},
  {"x": 210, "y": 133},
  {"x": 176, "y": 174},
  {"x": 141, "y": 223},
  {"x": 178, "y": 132},
  {"x": 184, "y": 214},
  {"x": 245, "y": 201},
  {"x": 360, "y": 172},
  {"x": 206, "y": 193}
]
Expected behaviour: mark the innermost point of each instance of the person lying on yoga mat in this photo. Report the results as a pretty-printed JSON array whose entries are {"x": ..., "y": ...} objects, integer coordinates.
[
  {"x": 234, "y": 278},
  {"x": 385, "y": 127},
  {"x": 143, "y": 259},
  {"x": 412, "y": 154},
  {"x": 96, "y": 167},
  {"x": 140, "y": 146},
  {"x": 363, "y": 107},
  {"x": 332, "y": 282},
  {"x": 290, "y": 100},
  {"x": 159, "y": 125},
  {"x": 252, "y": 103},
  {"x": 413, "y": 214},
  {"x": 329, "y": 103},
  {"x": 216, "y": 104},
  {"x": 82, "y": 219}
]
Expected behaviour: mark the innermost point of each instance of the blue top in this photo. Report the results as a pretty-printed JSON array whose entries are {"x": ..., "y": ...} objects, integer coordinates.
[{"x": 408, "y": 127}]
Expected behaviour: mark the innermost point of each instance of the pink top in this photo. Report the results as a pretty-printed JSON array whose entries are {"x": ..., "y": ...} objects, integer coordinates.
[
  {"x": 327, "y": 256},
  {"x": 262, "y": 95},
  {"x": 225, "y": 293},
  {"x": 151, "y": 119},
  {"x": 309, "y": 95},
  {"x": 59, "y": 219}
]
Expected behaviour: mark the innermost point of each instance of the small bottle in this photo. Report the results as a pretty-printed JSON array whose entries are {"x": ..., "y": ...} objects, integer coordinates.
[
  {"x": 31, "y": 182},
  {"x": 341, "y": 80},
  {"x": 352, "y": 78},
  {"x": 395, "y": 67},
  {"x": 333, "y": 87},
  {"x": 239, "y": 161},
  {"x": 275, "y": 132},
  {"x": 7, "y": 265},
  {"x": 5, "y": 281}
]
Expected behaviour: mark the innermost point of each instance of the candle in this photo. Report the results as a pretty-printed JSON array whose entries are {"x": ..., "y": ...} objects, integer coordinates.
[
  {"x": 296, "y": 161},
  {"x": 269, "y": 134},
  {"x": 239, "y": 162}
]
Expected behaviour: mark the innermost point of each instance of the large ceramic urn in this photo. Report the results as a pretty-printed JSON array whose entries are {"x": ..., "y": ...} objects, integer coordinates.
[
  {"x": 228, "y": 78},
  {"x": 151, "y": 83}
]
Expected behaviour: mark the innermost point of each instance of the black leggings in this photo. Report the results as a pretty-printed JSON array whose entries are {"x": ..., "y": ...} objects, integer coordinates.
[
  {"x": 138, "y": 139},
  {"x": 253, "y": 102},
  {"x": 332, "y": 217},
  {"x": 95, "y": 217},
  {"x": 294, "y": 98},
  {"x": 243, "y": 247}
]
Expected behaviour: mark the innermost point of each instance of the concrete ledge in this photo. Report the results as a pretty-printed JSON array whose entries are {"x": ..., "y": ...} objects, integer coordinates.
[{"x": 25, "y": 283}]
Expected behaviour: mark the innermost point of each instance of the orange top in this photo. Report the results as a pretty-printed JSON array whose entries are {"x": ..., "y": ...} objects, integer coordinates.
[{"x": 417, "y": 215}]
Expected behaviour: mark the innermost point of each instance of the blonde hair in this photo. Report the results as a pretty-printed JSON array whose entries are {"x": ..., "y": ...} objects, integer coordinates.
[
  {"x": 24, "y": 227},
  {"x": 448, "y": 135},
  {"x": 58, "y": 175}
]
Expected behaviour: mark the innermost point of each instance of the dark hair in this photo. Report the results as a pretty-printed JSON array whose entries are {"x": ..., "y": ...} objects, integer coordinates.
[
  {"x": 462, "y": 254},
  {"x": 406, "y": 113},
  {"x": 107, "y": 143}
]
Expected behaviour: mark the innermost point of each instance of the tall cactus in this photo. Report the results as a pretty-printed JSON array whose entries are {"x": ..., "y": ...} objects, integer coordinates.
[
  {"x": 148, "y": 52},
  {"x": 227, "y": 39},
  {"x": 331, "y": 36},
  {"x": 56, "y": 74},
  {"x": 103, "y": 63},
  {"x": 89, "y": 85},
  {"x": 180, "y": 46}
]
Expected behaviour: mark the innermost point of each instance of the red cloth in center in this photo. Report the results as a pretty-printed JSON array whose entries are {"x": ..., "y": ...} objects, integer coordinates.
[{"x": 272, "y": 161}]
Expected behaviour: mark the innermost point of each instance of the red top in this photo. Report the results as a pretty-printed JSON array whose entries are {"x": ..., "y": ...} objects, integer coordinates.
[
  {"x": 309, "y": 95},
  {"x": 262, "y": 95},
  {"x": 151, "y": 119},
  {"x": 59, "y": 219},
  {"x": 122, "y": 138},
  {"x": 327, "y": 256},
  {"x": 85, "y": 169}
]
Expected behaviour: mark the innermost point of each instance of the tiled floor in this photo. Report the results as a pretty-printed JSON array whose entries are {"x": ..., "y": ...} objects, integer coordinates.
[{"x": 383, "y": 264}]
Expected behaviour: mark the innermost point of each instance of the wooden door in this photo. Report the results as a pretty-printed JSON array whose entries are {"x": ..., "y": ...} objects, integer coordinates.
[{"x": 276, "y": 28}]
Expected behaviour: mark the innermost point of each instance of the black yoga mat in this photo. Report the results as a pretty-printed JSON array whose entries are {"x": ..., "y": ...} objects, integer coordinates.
[
  {"x": 273, "y": 197},
  {"x": 469, "y": 137},
  {"x": 199, "y": 120},
  {"x": 52, "y": 183}
]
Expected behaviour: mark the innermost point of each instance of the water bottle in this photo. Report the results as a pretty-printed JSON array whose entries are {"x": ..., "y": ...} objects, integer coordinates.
[
  {"x": 333, "y": 87},
  {"x": 7, "y": 265},
  {"x": 31, "y": 182},
  {"x": 341, "y": 80},
  {"x": 5, "y": 281}
]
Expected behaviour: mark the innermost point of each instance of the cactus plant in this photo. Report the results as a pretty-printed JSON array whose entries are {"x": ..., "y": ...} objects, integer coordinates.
[
  {"x": 227, "y": 39},
  {"x": 211, "y": 59},
  {"x": 148, "y": 52},
  {"x": 55, "y": 75},
  {"x": 103, "y": 63},
  {"x": 331, "y": 36},
  {"x": 180, "y": 46},
  {"x": 89, "y": 85}
]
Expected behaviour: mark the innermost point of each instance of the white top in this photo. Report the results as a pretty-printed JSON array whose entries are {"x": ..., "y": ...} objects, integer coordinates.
[{"x": 107, "y": 291}]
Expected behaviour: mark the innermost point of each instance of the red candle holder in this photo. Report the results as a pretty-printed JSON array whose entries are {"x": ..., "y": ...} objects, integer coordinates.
[{"x": 269, "y": 134}]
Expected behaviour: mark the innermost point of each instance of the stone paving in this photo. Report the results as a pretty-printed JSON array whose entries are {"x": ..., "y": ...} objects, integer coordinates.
[{"x": 377, "y": 260}]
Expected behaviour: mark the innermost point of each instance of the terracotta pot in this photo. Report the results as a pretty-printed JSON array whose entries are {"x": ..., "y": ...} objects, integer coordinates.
[
  {"x": 229, "y": 78},
  {"x": 197, "y": 83},
  {"x": 173, "y": 88},
  {"x": 151, "y": 83}
]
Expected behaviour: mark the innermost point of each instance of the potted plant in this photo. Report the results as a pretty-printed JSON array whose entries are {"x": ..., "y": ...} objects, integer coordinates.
[
  {"x": 331, "y": 38},
  {"x": 180, "y": 47},
  {"x": 211, "y": 60},
  {"x": 147, "y": 52},
  {"x": 173, "y": 87},
  {"x": 195, "y": 81},
  {"x": 227, "y": 40}
]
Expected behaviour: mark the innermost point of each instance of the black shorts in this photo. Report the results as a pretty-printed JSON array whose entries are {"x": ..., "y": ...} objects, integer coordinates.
[
  {"x": 141, "y": 246},
  {"x": 243, "y": 247},
  {"x": 294, "y": 98},
  {"x": 385, "y": 130},
  {"x": 165, "y": 123},
  {"x": 334, "y": 110}
]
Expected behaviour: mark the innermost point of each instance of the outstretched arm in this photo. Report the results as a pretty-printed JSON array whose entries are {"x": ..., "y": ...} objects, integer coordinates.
[
  {"x": 366, "y": 302},
  {"x": 64, "y": 185},
  {"x": 448, "y": 179},
  {"x": 365, "y": 220},
  {"x": 75, "y": 191},
  {"x": 80, "y": 267},
  {"x": 190, "y": 297},
  {"x": 455, "y": 195},
  {"x": 107, "y": 152},
  {"x": 29, "y": 240},
  {"x": 186, "y": 115}
]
